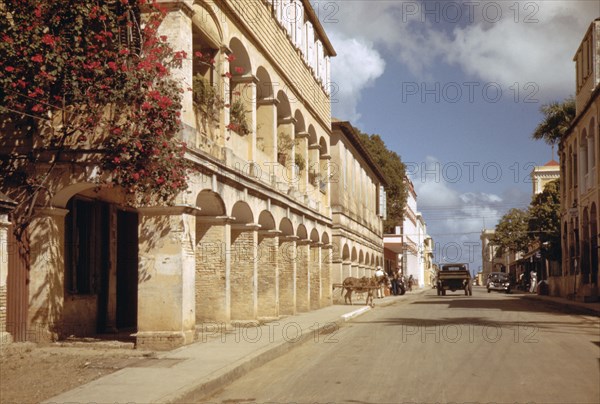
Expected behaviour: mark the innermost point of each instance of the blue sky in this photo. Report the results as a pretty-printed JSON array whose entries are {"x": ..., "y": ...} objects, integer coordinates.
[{"x": 455, "y": 89}]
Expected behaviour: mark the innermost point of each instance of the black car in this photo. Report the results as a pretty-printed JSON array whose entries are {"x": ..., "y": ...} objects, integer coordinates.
[{"x": 498, "y": 281}]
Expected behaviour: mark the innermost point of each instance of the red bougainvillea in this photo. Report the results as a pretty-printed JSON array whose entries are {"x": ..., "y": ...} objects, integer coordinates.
[{"x": 93, "y": 77}]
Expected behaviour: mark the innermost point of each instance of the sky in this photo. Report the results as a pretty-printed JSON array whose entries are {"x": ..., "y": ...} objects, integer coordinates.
[{"x": 455, "y": 88}]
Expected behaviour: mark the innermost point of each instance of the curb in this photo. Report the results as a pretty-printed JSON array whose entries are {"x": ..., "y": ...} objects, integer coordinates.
[
  {"x": 202, "y": 389},
  {"x": 355, "y": 313}
]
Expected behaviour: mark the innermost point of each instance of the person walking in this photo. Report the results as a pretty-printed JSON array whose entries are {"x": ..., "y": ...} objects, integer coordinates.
[
  {"x": 533, "y": 276},
  {"x": 379, "y": 275}
]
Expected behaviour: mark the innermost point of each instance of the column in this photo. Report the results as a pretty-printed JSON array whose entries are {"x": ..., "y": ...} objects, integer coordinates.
[
  {"x": 166, "y": 278},
  {"x": 213, "y": 300},
  {"x": 46, "y": 289},
  {"x": 288, "y": 257},
  {"x": 244, "y": 296},
  {"x": 302, "y": 276},
  {"x": 326, "y": 278},
  {"x": 268, "y": 274},
  {"x": 266, "y": 123},
  {"x": 315, "y": 275},
  {"x": 5, "y": 337}
]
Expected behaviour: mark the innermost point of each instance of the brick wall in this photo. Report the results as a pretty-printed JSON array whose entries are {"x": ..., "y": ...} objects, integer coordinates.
[
  {"x": 242, "y": 274},
  {"x": 267, "y": 276},
  {"x": 302, "y": 287},
  {"x": 287, "y": 266},
  {"x": 315, "y": 277},
  {"x": 210, "y": 272}
]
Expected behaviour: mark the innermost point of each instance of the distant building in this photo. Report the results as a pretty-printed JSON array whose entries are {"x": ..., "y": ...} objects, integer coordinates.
[
  {"x": 580, "y": 191},
  {"x": 409, "y": 248},
  {"x": 542, "y": 175}
]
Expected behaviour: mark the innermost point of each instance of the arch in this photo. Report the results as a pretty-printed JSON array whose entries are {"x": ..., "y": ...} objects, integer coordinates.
[
  {"x": 302, "y": 233},
  {"x": 354, "y": 255},
  {"x": 286, "y": 227},
  {"x": 312, "y": 135},
  {"x": 240, "y": 63},
  {"x": 264, "y": 87},
  {"x": 314, "y": 236},
  {"x": 62, "y": 197},
  {"x": 325, "y": 238},
  {"x": 266, "y": 221},
  {"x": 242, "y": 213},
  {"x": 210, "y": 203},
  {"x": 205, "y": 23},
  {"x": 593, "y": 158},
  {"x": 284, "y": 109},
  {"x": 345, "y": 252},
  {"x": 585, "y": 246},
  {"x": 367, "y": 259},
  {"x": 361, "y": 257},
  {"x": 323, "y": 149},
  {"x": 299, "y": 125}
]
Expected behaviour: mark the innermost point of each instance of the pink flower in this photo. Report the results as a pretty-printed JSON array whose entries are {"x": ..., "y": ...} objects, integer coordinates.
[
  {"x": 116, "y": 160},
  {"x": 135, "y": 176},
  {"x": 228, "y": 75},
  {"x": 239, "y": 70},
  {"x": 146, "y": 106},
  {"x": 37, "y": 58},
  {"x": 9, "y": 69},
  {"x": 198, "y": 54},
  {"x": 112, "y": 66},
  {"x": 48, "y": 39},
  {"x": 231, "y": 58}
]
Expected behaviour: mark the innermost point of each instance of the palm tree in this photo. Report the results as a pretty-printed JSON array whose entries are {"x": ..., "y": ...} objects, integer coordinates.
[{"x": 557, "y": 120}]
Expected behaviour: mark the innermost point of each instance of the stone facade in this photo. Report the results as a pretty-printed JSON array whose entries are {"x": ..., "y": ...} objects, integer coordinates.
[
  {"x": 580, "y": 172},
  {"x": 252, "y": 236},
  {"x": 357, "y": 191}
]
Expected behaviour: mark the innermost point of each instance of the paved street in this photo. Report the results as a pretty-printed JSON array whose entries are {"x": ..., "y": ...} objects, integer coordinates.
[{"x": 485, "y": 348}]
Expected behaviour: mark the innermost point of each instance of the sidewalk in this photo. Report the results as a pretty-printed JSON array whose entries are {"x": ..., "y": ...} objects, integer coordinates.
[
  {"x": 189, "y": 373},
  {"x": 561, "y": 302}
]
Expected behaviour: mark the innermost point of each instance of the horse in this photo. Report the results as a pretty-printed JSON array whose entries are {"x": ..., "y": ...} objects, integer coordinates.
[{"x": 361, "y": 285}]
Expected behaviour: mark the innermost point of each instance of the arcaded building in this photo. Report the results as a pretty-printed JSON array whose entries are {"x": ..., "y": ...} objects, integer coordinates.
[
  {"x": 252, "y": 236},
  {"x": 358, "y": 206},
  {"x": 580, "y": 176}
]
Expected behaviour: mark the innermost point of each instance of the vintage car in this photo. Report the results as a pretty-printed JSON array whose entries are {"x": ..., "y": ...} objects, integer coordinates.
[{"x": 498, "y": 281}]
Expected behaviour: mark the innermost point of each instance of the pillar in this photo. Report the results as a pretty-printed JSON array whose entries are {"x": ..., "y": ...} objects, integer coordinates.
[
  {"x": 302, "y": 276},
  {"x": 326, "y": 280},
  {"x": 315, "y": 275},
  {"x": 268, "y": 274},
  {"x": 244, "y": 296},
  {"x": 288, "y": 257},
  {"x": 166, "y": 278}
]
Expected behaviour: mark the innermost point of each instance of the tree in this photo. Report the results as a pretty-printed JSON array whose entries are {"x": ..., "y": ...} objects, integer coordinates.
[
  {"x": 85, "y": 82},
  {"x": 544, "y": 220},
  {"x": 394, "y": 171},
  {"x": 512, "y": 232},
  {"x": 557, "y": 119}
]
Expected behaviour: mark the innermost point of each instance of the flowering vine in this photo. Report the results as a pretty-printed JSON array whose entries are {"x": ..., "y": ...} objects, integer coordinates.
[{"x": 90, "y": 78}]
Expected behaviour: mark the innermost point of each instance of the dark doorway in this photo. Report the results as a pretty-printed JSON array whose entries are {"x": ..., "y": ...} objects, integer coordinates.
[{"x": 127, "y": 269}]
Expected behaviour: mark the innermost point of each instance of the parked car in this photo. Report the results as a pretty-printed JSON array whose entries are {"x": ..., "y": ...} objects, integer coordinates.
[{"x": 498, "y": 281}]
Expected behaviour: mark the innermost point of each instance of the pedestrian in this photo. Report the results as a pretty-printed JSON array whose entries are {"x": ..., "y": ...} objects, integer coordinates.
[
  {"x": 395, "y": 284},
  {"x": 533, "y": 276},
  {"x": 411, "y": 280},
  {"x": 379, "y": 275}
]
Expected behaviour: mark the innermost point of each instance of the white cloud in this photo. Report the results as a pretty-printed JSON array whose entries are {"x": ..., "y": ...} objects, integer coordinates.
[
  {"x": 356, "y": 67},
  {"x": 491, "y": 41}
]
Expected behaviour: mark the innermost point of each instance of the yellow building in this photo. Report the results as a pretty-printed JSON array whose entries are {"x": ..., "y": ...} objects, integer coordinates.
[
  {"x": 580, "y": 173},
  {"x": 358, "y": 206},
  {"x": 251, "y": 237}
]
